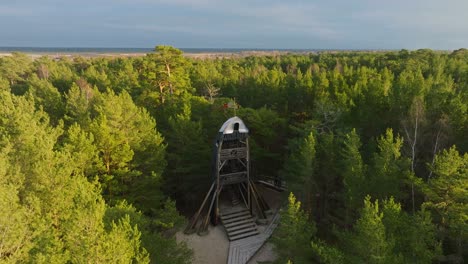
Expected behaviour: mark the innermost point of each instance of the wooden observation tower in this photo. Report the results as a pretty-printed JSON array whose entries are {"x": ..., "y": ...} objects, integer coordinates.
[{"x": 231, "y": 180}]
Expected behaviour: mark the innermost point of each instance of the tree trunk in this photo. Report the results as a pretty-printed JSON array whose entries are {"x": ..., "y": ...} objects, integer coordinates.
[
  {"x": 161, "y": 93},
  {"x": 168, "y": 68}
]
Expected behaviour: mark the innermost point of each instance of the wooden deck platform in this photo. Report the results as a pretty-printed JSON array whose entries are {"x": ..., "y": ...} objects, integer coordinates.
[{"x": 240, "y": 251}]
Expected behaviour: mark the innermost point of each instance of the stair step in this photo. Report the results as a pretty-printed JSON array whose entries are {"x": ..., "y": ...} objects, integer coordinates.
[
  {"x": 237, "y": 227},
  {"x": 235, "y": 219},
  {"x": 241, "y": 231},
  {"x": 234, "y": 212},
  {"x": 226, "y": 217},
  {"x": 231, "y": 210},
  {"x": 249, "y": 220},
  {"x": 244, "y": 235},
  {"x": 238, "y": 223}
]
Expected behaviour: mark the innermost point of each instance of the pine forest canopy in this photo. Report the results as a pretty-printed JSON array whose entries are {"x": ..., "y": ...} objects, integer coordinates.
[{"x": 104, "y": 159}]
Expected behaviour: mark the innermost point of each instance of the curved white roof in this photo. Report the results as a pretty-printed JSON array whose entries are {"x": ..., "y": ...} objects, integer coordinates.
[{"x": 228, "y": 126}]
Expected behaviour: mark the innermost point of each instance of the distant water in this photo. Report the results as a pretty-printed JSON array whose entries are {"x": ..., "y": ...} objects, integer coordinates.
[{"x": 42, "y": 50}]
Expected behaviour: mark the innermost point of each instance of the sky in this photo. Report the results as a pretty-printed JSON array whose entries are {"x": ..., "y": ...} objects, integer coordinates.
[{"x": 260, "y": 24}]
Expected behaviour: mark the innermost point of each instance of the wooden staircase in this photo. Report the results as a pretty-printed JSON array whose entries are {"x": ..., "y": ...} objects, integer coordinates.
[
  {"x": 239, "y": 224},
  {"x": 234, "y": 197},
  {"x": 242, "y": 250}
]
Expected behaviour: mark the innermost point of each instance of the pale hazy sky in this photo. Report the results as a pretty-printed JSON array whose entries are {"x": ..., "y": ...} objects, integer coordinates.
[{"x": 334, "y": 24}]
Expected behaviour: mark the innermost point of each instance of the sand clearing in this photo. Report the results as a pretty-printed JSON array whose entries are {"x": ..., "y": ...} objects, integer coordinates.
[
  {"x": 210, "y": 249},
  {"x": 214, "y": 247}
]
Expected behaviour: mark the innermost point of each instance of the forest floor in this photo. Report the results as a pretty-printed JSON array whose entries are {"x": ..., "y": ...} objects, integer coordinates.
[{"x": 212, "y": 248}]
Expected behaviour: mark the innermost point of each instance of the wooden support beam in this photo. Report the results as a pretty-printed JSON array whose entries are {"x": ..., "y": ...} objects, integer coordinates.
[
  {"x": 204, "y": 224},
  {"x": 220, "y": 166},
  {"x": 192, "y": 224},
  {"x": 260, "y": 209},
  {"x": 243, "y": 197},
  {"x": 247, "y": 161},
  {"x": 220, "y": 188},
  {"x": 242, "y": 163},
  {"x": 261, "y": 199}
]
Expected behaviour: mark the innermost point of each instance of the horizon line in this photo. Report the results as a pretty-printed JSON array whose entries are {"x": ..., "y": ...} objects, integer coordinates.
[{"x": 12, "y": 48}]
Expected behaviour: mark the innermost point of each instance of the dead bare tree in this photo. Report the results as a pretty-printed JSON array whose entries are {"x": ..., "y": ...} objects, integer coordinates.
[
  {"x": 43, "y": 71},
  {"x": 413, "y": 126},
  {"x": 328, "y": 115},
  {"x": 211, "y": 91},
  {"x": 442, "y": 128},
  {"x": 85, "y": 88}
]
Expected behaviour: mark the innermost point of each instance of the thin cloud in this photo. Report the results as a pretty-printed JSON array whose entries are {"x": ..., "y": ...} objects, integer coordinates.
[
  {"x": 258, "y": 15},
  {"x": 258, "y": 23}
]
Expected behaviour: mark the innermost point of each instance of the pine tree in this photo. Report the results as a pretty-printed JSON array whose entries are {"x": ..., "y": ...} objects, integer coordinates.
[
  {"x": 83, "y": 151},
  {"x": 447, "y": 197},
  {"x": 353, "y": 171},
  {"x": 15, "y": 68},
  {"x": 157, "y": 231},
  {"x": 171, "y": 75},
  {"x": 79, "y": 102},
  {"x": 368, "y": 243},
  {"x": 188, "y": 171},
  {"x": 323, "y": 253},
  {"x": 414, "y": 235},
  {"x": 390, "y": 171},
  {"x": 293, "y": 236},
  {"x": 299, "y": 169},
  {"x": 131, "y": 150},
  {"x": 265, "y": 127},
  {"x": 48, "y": 97},
  {"x": 59, "y": 213},
  {"x": 14, "y": 218}
]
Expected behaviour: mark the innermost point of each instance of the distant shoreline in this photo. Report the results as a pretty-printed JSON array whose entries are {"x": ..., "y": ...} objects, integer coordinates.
[
  {"x": 196, "y": 53},
  {"x": 36, "y": 53},
  {"x": 204, "y": 55},
  {"x": 72, "y": 50}
]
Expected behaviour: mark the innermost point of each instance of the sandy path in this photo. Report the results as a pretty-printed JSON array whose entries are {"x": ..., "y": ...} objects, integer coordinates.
[{"x": 210, "y": 249}]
